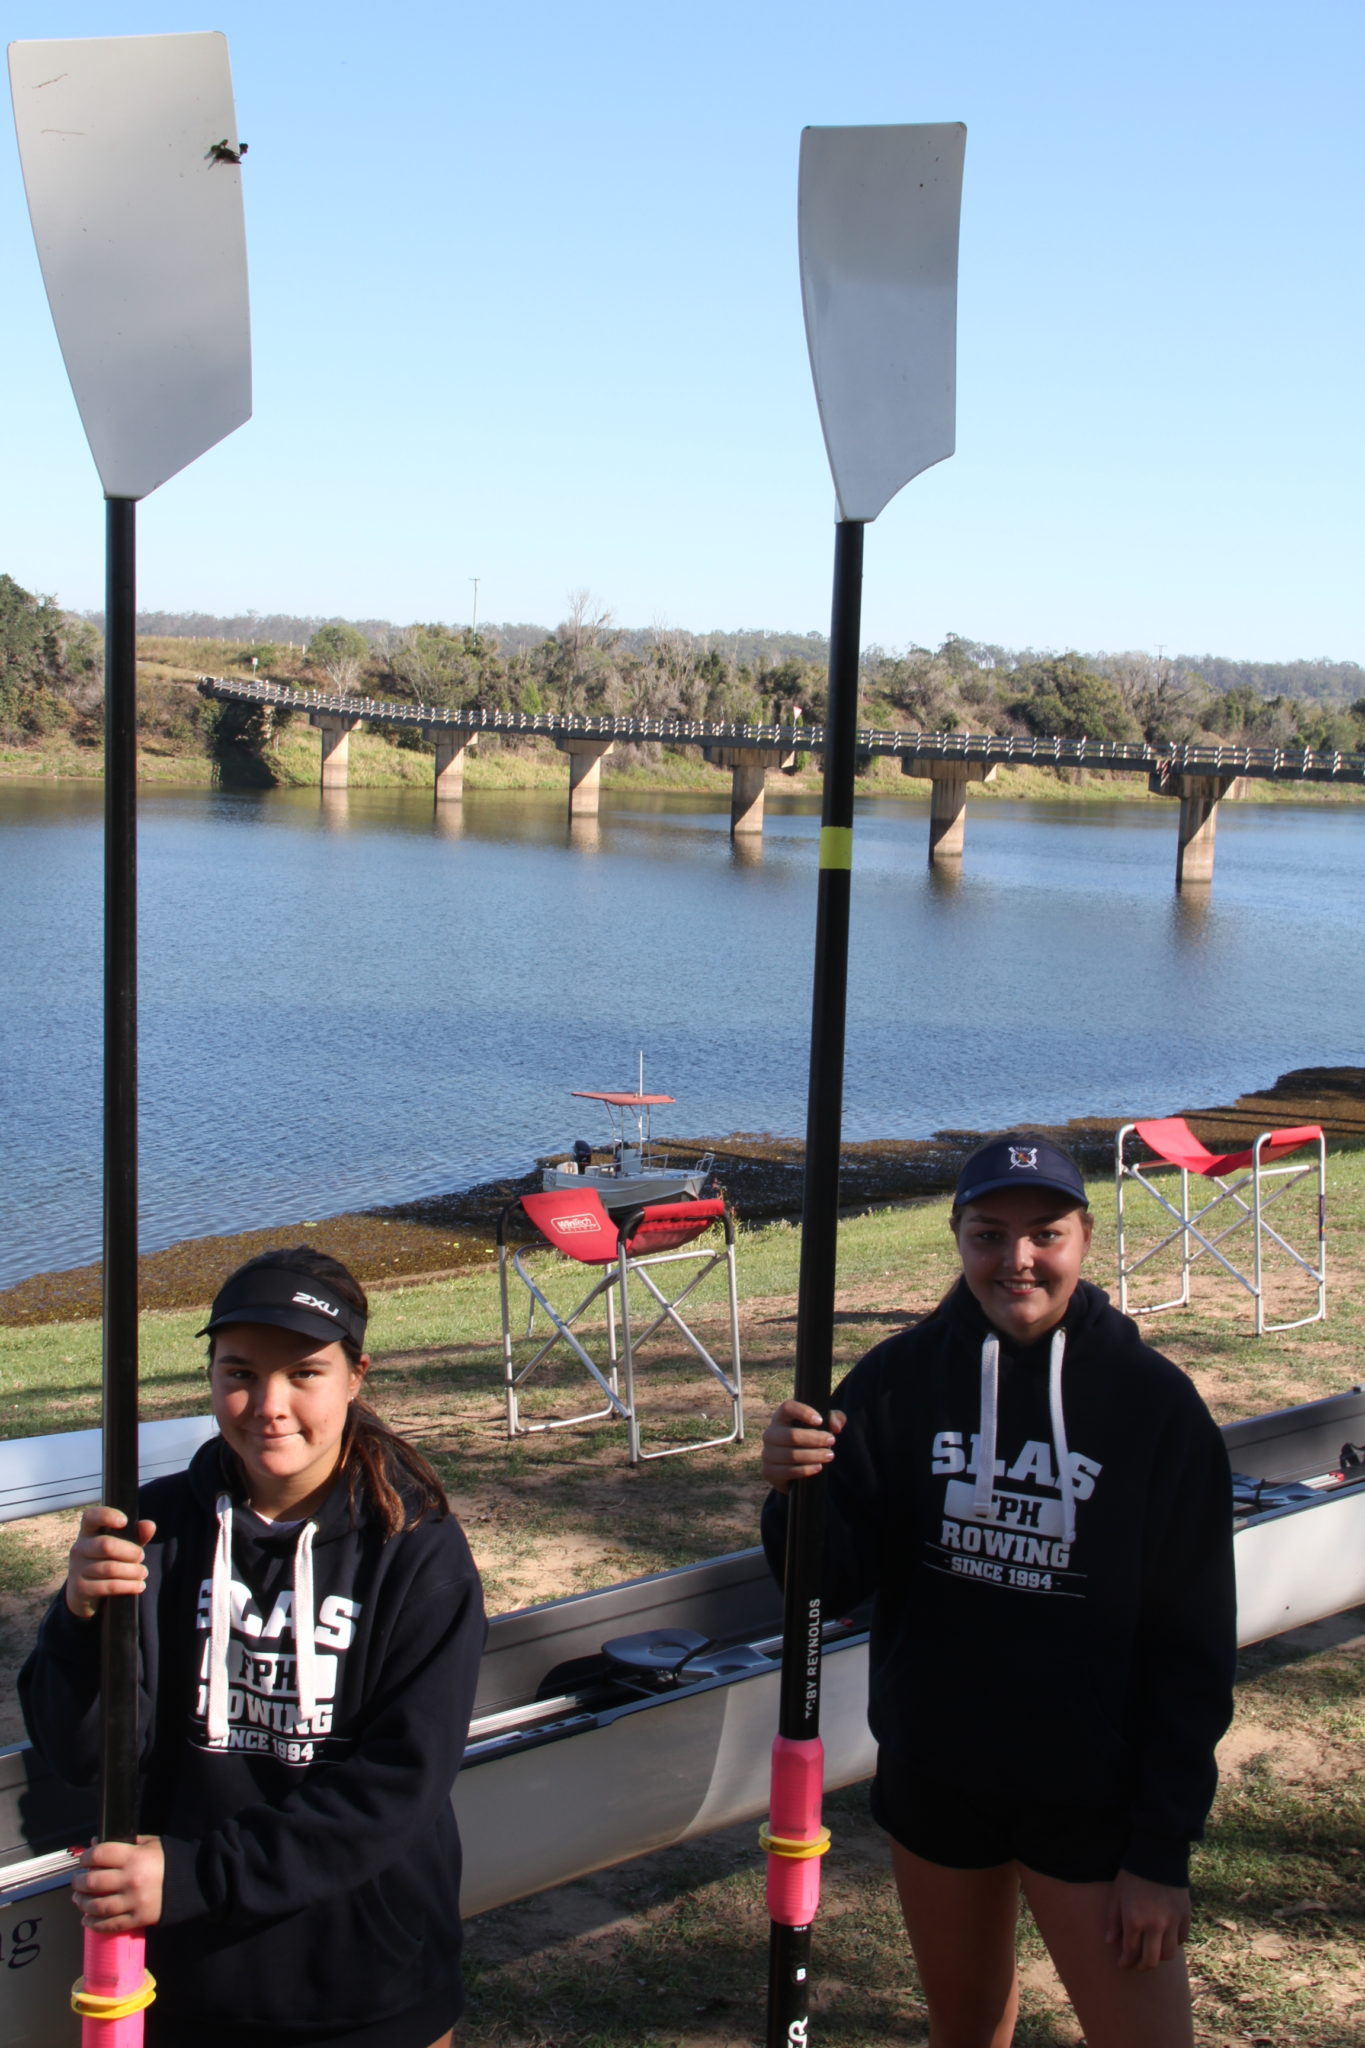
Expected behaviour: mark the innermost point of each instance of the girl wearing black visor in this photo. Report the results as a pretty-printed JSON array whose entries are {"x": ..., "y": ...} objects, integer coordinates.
[
  {"x": 311, "y": 1627},
  {"x": 1040, "y": 1509}
]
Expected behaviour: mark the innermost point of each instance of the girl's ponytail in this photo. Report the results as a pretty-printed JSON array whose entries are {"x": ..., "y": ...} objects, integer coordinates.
[{"x": 384, "y": 1473}]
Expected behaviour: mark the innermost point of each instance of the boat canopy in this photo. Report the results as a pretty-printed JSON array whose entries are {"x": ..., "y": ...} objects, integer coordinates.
[{"x": 619, "y": 1098}]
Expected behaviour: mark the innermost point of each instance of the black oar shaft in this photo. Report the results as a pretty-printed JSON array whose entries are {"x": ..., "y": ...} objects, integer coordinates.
[
  {"x": 118, "y": 1682},
  {"x": 799, "y": 1714},
  {"x": 800, "y": 1708}
]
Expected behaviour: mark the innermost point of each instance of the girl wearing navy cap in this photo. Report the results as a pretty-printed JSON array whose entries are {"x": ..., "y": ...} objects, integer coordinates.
[
  {"x": 311, "y": 1625},
  {"x": 1039, "y": 1506}
]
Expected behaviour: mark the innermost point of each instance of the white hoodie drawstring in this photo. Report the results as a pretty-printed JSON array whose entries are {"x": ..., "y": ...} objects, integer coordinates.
[
  {"x": 983, "y": 1498},
  {"x": 220, "y": 1623},
  {"x": 305, "y": 1649},
  {"x": 983, "y": 1501},
  {"x": 1059, "y": 1449}
]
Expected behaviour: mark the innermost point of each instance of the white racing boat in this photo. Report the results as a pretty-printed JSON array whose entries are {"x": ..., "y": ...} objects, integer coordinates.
[
  {"x": 633, "y": 1171},
  {"x": 643, "y": 1715}
]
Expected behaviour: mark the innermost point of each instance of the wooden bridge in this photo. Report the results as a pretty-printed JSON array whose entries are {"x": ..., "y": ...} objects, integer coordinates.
[{"x": 1199, "y": 776}]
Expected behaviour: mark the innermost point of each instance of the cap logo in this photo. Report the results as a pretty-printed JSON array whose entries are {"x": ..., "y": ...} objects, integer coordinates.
[
  {"x": 1023, "y": 1155},
  {"x": 312, "y": 1301}
]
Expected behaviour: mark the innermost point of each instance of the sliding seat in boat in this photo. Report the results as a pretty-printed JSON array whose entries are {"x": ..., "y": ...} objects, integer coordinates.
[
  {"x": 637, "y": 1248},
  {"x": 1248, "y": 1184}
]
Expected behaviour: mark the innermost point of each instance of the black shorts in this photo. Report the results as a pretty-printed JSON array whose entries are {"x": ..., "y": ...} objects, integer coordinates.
[{"x": 966, "y": 1830}]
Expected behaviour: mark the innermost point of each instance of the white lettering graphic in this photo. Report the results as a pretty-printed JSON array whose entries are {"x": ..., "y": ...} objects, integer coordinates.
[
  {"x": 575, "y": 1226},
  {"x": 1030, "y": 1511},
  {"x": 336, "y": 1622},
  {"x": 1084, "y": 1472},
  {"x": 314, "y": 1301},
  {"x": 263, "y": 1708},
  {"x": 1034, "y": 1462},
  {"x": 974, "y": 1462},
  {"x": 949, "y": 1455}
]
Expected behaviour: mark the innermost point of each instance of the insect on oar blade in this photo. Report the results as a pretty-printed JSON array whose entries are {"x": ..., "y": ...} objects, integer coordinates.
[{"x": 132, "y": 169}]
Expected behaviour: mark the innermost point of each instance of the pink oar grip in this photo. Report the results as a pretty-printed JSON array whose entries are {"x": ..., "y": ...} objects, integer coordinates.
[
  {"x": 794, "y": 1814},
  {"x": 115, "y": 1967}
]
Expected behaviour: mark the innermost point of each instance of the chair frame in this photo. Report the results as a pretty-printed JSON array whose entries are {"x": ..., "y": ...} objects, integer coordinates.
[
  {"x": 622, "y": 1404},
  {"x": 1196, "y": 1237}
]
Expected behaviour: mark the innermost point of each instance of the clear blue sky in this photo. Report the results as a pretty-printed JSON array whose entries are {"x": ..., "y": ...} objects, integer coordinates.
[{"x": 526, "y": 308}]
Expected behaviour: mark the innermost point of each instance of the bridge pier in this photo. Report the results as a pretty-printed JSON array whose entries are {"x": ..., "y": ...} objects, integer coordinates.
[
  {"x": 451, "y": 742},
  {"x": 585, "y": 773},
  {"x": 948, "y": 802},
  {"x": 336, "y": 728},
  {"x": 749, "y": 768},
  {"x": 1200, "y": 796}
]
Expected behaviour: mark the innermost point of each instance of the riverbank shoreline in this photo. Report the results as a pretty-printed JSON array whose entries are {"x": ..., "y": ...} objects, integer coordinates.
[
  {"x": 377, "y": 763},
  {"x": 442, "y": 1236}
]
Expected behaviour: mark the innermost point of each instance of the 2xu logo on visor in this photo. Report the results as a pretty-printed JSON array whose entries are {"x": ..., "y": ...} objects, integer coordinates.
[{"x": 316, "y": 1301}]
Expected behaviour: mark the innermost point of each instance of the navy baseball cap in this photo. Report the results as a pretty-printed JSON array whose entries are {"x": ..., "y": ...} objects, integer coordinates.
[
  {"x": 1018, "y": 1160},
  {"x": 291, "y": 1300}
]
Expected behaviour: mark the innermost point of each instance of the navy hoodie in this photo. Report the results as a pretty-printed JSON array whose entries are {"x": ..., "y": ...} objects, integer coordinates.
[
  {"x": 312, "y": 1858},
  {"x": 1066, "y": 1630}
]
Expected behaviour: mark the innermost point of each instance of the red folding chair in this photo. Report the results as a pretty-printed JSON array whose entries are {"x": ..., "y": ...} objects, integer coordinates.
[
  {"x": 633, "y": 1248},
  {"x": 1175, "y": 1146}
]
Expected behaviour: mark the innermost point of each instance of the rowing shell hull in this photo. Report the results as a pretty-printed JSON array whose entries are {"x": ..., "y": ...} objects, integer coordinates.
[{"x": 568, "y": 1774}]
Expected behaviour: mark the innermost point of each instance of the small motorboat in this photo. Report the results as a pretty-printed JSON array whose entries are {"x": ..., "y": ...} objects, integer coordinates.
[
  {"x": 643, "y": 1715},
  {"x": 632, "y": 1172}
]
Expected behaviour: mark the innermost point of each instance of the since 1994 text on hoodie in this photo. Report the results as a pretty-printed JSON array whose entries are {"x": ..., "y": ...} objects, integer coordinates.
[
  {"x": 303, "y": 1801},
  {"x": 1064, "y": 1626}
]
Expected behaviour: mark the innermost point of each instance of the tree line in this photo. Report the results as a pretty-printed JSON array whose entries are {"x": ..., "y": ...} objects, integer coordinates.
[{"x": 50, "y": 677}]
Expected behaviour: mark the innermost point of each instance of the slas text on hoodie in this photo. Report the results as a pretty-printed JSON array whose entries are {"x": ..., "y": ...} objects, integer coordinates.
[
  {"x": 1046, "y": 1534},
  {"x": 305, "y": 1698}
]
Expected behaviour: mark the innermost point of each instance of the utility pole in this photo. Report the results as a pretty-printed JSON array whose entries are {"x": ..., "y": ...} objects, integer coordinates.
[{"x": 474, "y": 622}]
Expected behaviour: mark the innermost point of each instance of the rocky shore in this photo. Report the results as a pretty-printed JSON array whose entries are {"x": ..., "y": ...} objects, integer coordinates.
[{"x": 447, "y": 1234}]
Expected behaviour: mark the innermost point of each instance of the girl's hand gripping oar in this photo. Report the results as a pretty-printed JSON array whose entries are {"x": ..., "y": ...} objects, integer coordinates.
[{"x": 878, "y": 218}]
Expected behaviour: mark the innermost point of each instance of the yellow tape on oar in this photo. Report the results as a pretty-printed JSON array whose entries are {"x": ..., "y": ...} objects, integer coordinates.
[
  {"x": 789, "y": 1845},
  {"x": 91, "y": 2006},
  {"x": 836, "y": 846}
]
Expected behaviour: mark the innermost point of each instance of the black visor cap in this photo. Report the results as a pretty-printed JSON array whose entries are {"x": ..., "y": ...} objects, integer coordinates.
[{"x": 290, "y": 1301}]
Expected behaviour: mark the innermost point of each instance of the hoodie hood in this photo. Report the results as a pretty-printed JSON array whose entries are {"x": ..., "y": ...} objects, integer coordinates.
[{"x": 215, "y": 1470}]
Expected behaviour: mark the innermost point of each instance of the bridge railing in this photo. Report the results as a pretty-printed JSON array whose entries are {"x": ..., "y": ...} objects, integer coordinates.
[{"x": 1289, "y": 764}]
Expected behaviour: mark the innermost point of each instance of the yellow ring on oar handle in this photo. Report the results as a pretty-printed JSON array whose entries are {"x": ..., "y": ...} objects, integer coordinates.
[
  {"x": 836, "y": 846},
  {"x": 790, "y": 1845},
  {"x": 91, "y": 2006}
]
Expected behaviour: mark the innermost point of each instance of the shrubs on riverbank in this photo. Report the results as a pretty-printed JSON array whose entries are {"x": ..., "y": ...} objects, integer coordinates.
[{"x": 51, "y": 698}]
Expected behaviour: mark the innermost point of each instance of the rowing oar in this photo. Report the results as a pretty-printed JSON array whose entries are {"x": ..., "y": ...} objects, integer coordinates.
[
  {"x": 878, "y": 230},
  {"x": 131, "y": 166}
]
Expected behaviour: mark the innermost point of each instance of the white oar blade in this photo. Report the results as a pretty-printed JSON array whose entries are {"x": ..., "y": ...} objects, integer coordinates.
[
  {"x": 140, "y": 236},
  {"x": 878, "y": 214}
]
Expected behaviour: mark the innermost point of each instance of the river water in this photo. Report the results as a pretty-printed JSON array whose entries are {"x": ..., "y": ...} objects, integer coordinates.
[{"x": 347, "y": 1001}]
